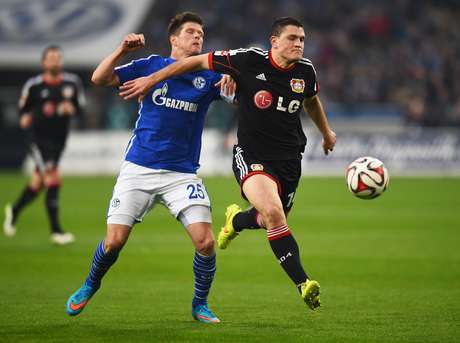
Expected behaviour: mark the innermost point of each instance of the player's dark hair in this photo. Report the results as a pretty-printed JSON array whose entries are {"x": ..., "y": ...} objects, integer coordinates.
[
  {"x": 280, "y": 23},
  {"x": 49, "y": 48},
  {"x": 180, "y": 19}
]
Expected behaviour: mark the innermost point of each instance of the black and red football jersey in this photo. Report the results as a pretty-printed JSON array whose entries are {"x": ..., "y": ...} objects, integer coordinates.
[
  {"x": 43, "y": 99},
  {"x": 270, "y": 99}
]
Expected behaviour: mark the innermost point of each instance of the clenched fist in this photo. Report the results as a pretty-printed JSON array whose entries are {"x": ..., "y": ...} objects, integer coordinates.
[{"x": 133, "y": 42}]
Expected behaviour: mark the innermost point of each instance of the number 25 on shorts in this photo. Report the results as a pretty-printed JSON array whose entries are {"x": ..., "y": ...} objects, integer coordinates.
[{"x": 196, "y": 191}]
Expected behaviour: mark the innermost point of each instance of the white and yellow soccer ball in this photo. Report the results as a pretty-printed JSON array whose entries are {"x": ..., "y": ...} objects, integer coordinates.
[{"x": 367, "y": 177}]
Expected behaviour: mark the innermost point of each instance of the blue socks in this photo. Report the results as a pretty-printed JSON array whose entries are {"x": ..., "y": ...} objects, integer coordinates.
[
  {"x": 101, "y": 263},
  {"x": 204, "y": 268}
]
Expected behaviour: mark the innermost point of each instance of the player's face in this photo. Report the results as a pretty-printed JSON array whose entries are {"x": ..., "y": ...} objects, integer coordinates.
[
  {"x": 290, "y": 44},
  {"x": 190, "y": 39},
  {"x": 52, "y": 62}
]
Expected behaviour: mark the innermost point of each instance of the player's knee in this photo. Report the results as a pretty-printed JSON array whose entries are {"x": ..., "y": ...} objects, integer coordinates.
[
  {"x": 51, "y": 177},
  {"x": 205, "y": 246},
  {"x": 273, "y": 215},
  {"x": 36, "y": 182},
  {"x": 113, "y": 244},
  {"x": 36, "y": 185}
]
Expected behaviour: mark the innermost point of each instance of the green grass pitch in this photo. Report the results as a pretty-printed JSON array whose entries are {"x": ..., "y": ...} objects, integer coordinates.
[{"x": 389, "y": 270}]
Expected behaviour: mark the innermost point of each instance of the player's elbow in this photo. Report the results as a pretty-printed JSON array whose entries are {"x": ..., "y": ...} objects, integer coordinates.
[
  {"x": 97, "y": 80},
  {"x": 102, "y": 80}
]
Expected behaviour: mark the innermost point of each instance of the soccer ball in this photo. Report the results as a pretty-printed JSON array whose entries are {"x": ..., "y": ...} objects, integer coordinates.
[{"x": 367, "y": 177}]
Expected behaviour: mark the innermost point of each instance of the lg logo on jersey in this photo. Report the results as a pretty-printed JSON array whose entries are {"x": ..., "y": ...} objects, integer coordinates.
[{"x": 263, "y": 100}]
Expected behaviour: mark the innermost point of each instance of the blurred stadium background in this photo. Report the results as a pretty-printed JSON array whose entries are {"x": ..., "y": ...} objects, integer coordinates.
[
  {"x": 388, "y": 75},
  {"x": 389, "y": 268}
]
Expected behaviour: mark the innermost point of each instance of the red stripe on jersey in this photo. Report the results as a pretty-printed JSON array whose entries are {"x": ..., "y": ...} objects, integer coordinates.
[
  {"x": 276, "y": 65},
  {"x": 53, "y": 82},
  {"x": 213, "y": 63},
  {"x": 210, "y": 65}
]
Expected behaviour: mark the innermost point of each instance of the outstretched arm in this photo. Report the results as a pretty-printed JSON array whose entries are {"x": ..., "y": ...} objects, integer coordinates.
[
  {"x": 140, "y": 86},
  {"x": 315, "y": 109},
  {"x": 104, "y": 74}
]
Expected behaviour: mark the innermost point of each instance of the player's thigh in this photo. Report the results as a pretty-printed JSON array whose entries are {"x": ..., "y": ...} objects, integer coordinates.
[
  {"x": 132, "y": 196},
  {"x": 288, "y": 173},
  {"x": 246, "y": 166},
  {"x": 51, "y": 176},
  {"x": 182, "y": 191},
  {"x": 262, "y": 192},
  {"x": 46, "y": 154}
]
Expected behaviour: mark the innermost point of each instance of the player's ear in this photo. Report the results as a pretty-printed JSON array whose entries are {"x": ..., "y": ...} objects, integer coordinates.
[
  {"x": 173, "y": 40},
  {"x": 274, "y": 41}
]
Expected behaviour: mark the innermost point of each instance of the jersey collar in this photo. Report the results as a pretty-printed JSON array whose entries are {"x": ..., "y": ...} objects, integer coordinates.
[
  {"x": 277, "y": 66},
  {"x": 53, "y": 82}
]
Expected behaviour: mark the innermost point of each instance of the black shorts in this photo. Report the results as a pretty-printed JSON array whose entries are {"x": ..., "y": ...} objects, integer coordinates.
[
  {"x": 46, "y": 154},
  {"x": 286, "y": 173}
]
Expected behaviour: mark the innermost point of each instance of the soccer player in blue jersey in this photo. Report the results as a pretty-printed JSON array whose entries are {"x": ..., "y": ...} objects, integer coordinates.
[{"x": 162, "y": 158}]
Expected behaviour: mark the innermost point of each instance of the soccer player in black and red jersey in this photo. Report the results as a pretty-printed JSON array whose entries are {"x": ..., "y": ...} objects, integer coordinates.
[
  {"x": 272, "y": 87},
  {"x": 47, "y": 103}
]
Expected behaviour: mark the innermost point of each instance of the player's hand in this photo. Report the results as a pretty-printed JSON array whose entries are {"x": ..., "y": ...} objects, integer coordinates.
[
  {"x": 25, "y": 121},
  {"x": 227, "y": 85},
  {"x": 329, "y": 140},
  {"x": 66, "y": 108},
  {"x": 133, "y": 42},
  {"x": 136, "y": 88}
]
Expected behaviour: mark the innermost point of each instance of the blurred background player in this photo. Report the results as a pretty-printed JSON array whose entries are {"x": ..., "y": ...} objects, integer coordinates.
[
  {"x": 48, "y": 102},
  {"x": 272, "y": 88},
  {"x": 162, "y": 158}
]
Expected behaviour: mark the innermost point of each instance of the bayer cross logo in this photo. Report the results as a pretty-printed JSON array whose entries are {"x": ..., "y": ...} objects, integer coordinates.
[{"x": 199, "y": 82}]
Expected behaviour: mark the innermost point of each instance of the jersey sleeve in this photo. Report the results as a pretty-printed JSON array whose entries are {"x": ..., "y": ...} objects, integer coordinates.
[
  {"x": 80, "y": 98},
  {"x": 25, "y": 101},
  {"x": 312, "y": 86},
  {"x": 232, "y": 62},
  {"x": 137, "y": 68},
  {"x": 216, "y": 89}
]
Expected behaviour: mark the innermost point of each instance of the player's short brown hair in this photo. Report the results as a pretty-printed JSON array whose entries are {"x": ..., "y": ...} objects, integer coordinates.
[
  {"x": 280, "y": 23},
  {"x": 50, "y": 48},
  {"x": 180, "y": 19}
]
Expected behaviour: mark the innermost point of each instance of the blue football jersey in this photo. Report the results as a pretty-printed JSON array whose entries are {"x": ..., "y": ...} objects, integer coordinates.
[{"x": 167, "y": 134}]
